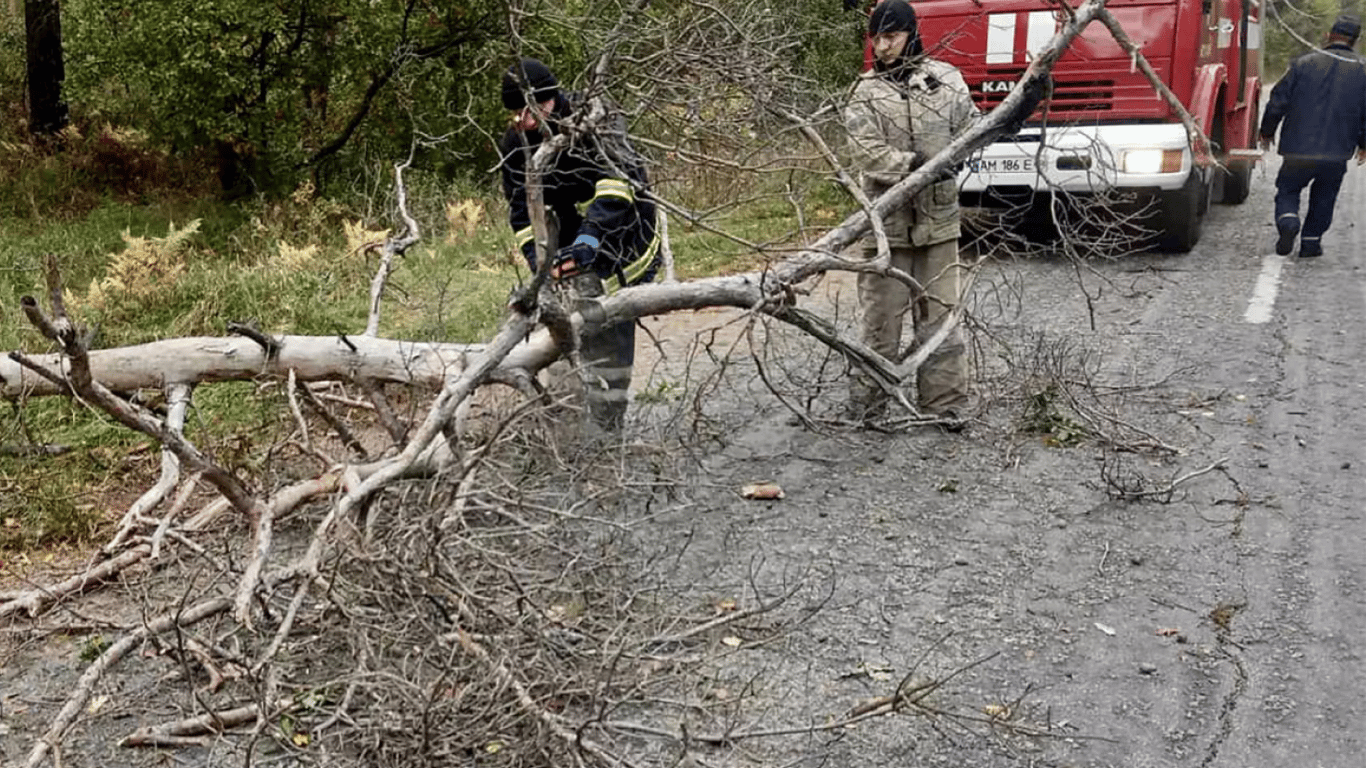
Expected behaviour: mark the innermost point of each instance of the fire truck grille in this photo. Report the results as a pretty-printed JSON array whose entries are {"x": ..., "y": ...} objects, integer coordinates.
[{"x": 1069, "y": 96}]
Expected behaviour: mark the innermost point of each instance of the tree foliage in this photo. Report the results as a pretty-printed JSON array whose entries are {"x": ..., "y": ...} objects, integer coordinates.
[
  {"x": 279, "y": 88},
  {"x": 1296, "y": 26},
  {"x": 294, "y": 86}
]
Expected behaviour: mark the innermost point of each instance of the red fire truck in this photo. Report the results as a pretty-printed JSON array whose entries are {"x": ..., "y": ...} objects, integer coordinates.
[{"x": 1105, "y": 127}]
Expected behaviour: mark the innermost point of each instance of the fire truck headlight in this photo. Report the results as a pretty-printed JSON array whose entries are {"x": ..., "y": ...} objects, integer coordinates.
[{"x": 1147, "y": 161}]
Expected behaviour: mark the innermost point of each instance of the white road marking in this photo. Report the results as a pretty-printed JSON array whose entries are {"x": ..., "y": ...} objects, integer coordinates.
[{"x": 1264, "y": 293}]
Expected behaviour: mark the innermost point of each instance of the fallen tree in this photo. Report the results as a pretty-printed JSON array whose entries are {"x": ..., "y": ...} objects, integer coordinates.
[{"x": 348, "y": 544}]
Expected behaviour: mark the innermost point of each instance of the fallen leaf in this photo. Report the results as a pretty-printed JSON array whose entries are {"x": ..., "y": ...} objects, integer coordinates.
[
  {"x": 765, "y": 490},
  {"x": 725, "y": 605},
  {"x": 997, "y": 711},
  {"x": 732, "y": 641},
  {"x": 300, "y": 739},
  {"x": 1168, "y": 631},
  {"x": 96, "y": 704},
  {"x": 493, "y": 747},
  {"x": 1106, "y": 629}
]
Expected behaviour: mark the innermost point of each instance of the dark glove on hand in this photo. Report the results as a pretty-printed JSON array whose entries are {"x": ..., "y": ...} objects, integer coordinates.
[
  {"x": 1035, "y": 92},
  {"x": 949, "y": 173},
  {"x": 574, "y": 259}
]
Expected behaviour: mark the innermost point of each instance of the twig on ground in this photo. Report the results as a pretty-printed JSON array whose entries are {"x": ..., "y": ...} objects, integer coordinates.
[
  {"x": 192, "y": 730},
  {"x": 112, "y": 655}
]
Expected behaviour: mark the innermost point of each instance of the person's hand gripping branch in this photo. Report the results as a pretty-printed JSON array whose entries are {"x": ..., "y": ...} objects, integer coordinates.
[{"x": 575, "y": 258}]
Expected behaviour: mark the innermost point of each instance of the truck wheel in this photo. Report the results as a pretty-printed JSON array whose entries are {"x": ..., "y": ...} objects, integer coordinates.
[
  {"x": 1237, "y": 182},
  {"x": 1238, "y": 179},
  {"x": 1180, "y": 214}
]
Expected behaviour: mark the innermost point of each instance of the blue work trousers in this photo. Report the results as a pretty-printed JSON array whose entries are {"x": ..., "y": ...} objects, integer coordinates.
[{"x": 1324, "y": 179}]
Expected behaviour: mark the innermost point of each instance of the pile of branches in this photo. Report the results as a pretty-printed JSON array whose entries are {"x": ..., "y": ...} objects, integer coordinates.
[
  {"x": 457, "y": 592},
  {"x": 508, "y": 619}
]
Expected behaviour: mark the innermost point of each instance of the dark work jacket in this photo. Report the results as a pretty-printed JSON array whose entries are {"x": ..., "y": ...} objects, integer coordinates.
[
  {"x": 597, "y": 186},
  {"x": 1322, "y": 101}
]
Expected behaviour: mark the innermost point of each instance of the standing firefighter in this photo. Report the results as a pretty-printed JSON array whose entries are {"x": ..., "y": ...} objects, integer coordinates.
[
  {"x": 1322, "y": 101},
  {"x": 903, "y": 111},
  {"x": 601, "y": 216}
]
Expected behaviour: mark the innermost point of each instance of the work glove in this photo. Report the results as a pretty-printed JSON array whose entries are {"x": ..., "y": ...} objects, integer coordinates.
[
  {"x": 576, "y": 258},
  {"x": 1035, "y": 93}
]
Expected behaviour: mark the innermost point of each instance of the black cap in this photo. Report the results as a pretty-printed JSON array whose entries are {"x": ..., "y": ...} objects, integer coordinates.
[
  {"x": 1348, "y": 26},
  {"x": 892, "y": 16},
  {"x": 528, "y": 75}
]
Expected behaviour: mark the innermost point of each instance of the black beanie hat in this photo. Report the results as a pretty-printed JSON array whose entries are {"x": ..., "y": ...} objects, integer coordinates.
[
  {"x": 892, "y": 16},
  {"x": 1347, "y": 26},
  {"x": 528, "y": 75}
]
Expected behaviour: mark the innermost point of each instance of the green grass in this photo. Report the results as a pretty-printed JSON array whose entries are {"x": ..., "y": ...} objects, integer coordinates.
[
  {"x": 232, "y": 269},
  {"x": 767, "y": 220},
  {"x": 58, "y": 498}
]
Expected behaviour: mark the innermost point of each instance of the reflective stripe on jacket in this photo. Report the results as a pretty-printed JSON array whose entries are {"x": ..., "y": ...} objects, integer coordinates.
[{"x": 596, "y": 187}]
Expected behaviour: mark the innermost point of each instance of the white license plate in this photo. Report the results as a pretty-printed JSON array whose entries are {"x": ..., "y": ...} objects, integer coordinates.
[{"x": 1002, "y": 165}]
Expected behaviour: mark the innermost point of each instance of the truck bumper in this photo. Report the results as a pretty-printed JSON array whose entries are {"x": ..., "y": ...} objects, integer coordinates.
[{"x": 1083, "y": 159}]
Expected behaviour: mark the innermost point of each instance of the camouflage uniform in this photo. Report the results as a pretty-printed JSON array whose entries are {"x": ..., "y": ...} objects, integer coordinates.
[{"x": 896, "y": 121}]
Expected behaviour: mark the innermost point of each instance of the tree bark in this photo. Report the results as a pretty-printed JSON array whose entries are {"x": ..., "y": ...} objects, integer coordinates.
[
  {"x": 46, "y": 70},
  {"x": 193, "y": 360},
  {"x": 206, "y": 359}
]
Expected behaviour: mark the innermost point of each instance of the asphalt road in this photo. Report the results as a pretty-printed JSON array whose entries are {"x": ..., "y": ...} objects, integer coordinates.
[
  {"x": 1261, "y": 567},
  {"x": 1301, "y": 565},
  {"x": 1218, "y": 625}
]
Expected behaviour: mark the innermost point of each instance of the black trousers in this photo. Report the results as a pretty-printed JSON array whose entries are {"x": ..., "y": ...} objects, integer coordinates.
[
  {"x": 1324, "y": 179},
  {"x": 608, "y": 354}
]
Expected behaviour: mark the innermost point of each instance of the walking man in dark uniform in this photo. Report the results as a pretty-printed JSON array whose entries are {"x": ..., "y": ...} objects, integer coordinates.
[
  {"x": 603, "y": 218},
  {"x": 1320, "y": 105}
]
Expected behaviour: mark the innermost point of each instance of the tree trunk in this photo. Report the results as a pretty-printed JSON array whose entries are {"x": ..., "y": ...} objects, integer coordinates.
[{"x": 46, "y": 71}]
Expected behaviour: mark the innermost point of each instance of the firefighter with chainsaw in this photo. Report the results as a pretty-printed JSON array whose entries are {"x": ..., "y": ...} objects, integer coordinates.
[
  {"x": 902, "y": 112},
  {"x": 601, "y": 216}
]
